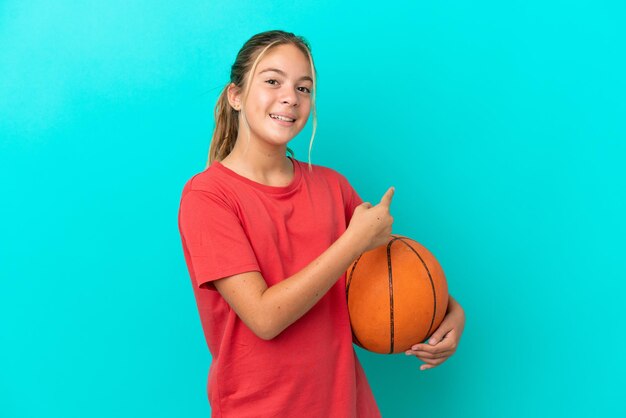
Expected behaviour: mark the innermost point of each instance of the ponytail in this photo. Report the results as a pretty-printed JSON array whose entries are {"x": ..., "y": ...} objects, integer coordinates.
[{"x": 226, "y": 129}]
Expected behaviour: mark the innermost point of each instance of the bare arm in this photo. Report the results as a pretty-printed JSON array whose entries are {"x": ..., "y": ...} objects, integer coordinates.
[{"x": 268, "y": 311}]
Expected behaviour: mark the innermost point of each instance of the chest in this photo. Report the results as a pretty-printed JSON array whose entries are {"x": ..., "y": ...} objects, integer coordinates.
[{"x": 291, "y": 231}]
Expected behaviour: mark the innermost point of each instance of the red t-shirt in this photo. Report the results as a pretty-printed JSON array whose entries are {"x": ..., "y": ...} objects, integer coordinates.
[{"x": 230, "y": 224}]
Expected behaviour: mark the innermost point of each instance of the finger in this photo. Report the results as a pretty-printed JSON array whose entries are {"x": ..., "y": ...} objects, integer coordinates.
[
  {"x": 441, "y": 338},
  {"x": 366, "y": 205},
  {"x": 429, "y": 356},
  {"x": 424, "y": 348},
  {"x": 386, "y": 199},
  {"x": 446, "y": 344},
  {"x": 428, "y": 366},
  {"x": 433, "y": 354},
  {"x": 434, "y": 362},
  {"x": 442, "y": 333},
  {"x": 432, "y": 350}
]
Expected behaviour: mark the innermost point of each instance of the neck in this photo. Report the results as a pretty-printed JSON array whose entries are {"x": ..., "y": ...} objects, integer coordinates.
[{"x": 259, "y": 161}]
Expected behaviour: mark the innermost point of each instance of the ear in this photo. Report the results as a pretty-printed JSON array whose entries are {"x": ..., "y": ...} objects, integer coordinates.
[{"x": 234, "y": 96}]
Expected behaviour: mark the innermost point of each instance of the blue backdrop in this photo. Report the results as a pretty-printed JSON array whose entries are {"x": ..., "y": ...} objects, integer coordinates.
[{"x": 501, "y": 124}]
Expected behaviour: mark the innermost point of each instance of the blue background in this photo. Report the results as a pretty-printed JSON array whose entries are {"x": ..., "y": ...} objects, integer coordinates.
[{"x": 501, "y": 125}]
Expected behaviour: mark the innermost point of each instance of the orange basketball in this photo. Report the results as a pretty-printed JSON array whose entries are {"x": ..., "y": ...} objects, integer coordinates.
[{"x": 397, "y": 296}]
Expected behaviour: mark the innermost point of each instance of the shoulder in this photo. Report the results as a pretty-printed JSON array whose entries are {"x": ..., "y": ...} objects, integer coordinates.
[
  {"x": 209, "y": 183},
  {"x": 202, "y": 181}
]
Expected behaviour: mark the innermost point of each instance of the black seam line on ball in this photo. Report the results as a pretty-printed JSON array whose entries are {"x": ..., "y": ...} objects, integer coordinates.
[
  {"x": 391, "y": 305},
  {"x": 391, "y": 326},
  {"x": 350, "y": 275},
  {"x": 432, "y": 285},
  {"x": 348, "y": 295}
]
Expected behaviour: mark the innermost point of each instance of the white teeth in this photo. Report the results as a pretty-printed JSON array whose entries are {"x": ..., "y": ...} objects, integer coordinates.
[{"x": 282, "y": 118}]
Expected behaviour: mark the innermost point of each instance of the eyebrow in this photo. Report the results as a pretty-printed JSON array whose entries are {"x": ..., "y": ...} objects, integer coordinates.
[{"x": 281, "y": 72}]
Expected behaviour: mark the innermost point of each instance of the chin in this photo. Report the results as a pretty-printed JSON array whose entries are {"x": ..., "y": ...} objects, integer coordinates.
[
  {"x": 281, "y": 143},
  {"x": 282, "y": 140}
]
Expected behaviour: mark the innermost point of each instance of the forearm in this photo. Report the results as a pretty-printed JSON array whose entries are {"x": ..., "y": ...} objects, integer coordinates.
[{"x": 287, "y": 301}]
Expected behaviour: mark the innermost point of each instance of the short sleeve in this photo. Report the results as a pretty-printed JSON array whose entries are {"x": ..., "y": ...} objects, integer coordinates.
[{"x": 214, "y": 240}]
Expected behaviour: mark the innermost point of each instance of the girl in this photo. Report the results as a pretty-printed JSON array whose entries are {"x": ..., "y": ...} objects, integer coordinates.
[{"x": 267, "y": 240}]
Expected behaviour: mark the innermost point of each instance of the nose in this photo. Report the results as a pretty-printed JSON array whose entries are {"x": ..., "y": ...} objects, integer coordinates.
[{"x": 289, "y": 97}]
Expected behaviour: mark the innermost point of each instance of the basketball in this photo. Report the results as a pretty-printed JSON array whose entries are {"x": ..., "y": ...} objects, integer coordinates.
[{"x": 397, "y": 296}]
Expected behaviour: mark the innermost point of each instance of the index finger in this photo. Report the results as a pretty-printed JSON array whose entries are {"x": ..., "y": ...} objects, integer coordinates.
[{"x": 386, "y": 199}]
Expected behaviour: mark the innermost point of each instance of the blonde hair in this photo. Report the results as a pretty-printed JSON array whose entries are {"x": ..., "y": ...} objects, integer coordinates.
[{"x": 226, "y": 118}]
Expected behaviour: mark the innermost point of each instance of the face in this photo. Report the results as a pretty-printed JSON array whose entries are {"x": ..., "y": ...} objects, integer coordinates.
[{"x": 279, "y": 100}]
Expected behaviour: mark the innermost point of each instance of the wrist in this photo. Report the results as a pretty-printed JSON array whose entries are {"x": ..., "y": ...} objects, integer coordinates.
[
  {"x": 353, "y": 243},
  {"x": 453, "y": 305}
]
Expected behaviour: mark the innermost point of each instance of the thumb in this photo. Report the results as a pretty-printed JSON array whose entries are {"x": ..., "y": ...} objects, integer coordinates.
[{"x": 386, "y": 199}]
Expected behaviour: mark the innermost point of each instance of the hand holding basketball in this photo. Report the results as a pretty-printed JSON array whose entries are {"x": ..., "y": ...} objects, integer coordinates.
[
  {"x": 371, "y": 225},
  {"x": 444, "y": 341}
]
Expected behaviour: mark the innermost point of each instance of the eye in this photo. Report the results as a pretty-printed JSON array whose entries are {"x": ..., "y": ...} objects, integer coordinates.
[
  {"x": 272, "y": 82},
  {"x": 305, "y": 90}
]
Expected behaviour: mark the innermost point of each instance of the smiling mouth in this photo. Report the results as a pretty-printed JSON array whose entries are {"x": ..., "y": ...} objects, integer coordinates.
[{"x": 281, "y": 118}]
